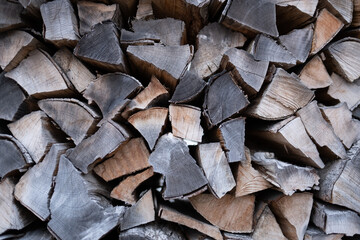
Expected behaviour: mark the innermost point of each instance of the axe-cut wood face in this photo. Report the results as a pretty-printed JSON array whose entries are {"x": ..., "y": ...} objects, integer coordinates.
[
  {"x": 314, "y": 74},
  {"x": 189, "y": 88},
  {"x": 341, "y": 9},
  {"x": 144, "y": 10}
]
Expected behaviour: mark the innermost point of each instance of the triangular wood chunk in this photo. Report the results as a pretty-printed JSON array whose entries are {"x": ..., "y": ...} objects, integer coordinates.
[
  {"x": 10, "y": 15},
  {"x": 189, "y": 88},
  {"x": 314, "y": 75},
  {"x": 341, "y": 9}
]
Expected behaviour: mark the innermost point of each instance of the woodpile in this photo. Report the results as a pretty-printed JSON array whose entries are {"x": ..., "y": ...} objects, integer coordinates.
[{"x": 159, "y": 119}]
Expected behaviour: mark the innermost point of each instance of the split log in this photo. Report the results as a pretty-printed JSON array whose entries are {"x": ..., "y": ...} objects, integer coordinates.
[
  {"x": 40, "y": 180},
  {"x": 281, "y": 98},
  {"x": 49, "y": 82},
  {"x": 293, "y": 214},
  {"x": 130, "y": 157},
  {"x": 329, "y": 144},
  {"x": 287, "y": 177},
  {"x": 212, "y": 42},
  {"x": 343, "y": 10},
  {"x": 167, "y": 63},
  {"x": 126, "y": 190},
  {"x": 40, "y": 233},
  {"x": 36, "y": 133},
  {"x": 334, "y": 219},
  {"x": 77, "y": 73},
  {"x": 313, "y": 233},
  {"x": 15, "y": 46},
  {"x": 60, "y": 29},
  {"x": 171, "y": 158},
  {"x": 14, "y": 156},
  {"x": 68, "y": 113},
  {"x": 81, "y": 217},
  {"x": 223, "y": 99},
  {"x": 150, "y": 123},
  {"x": 91, "y": 13},
  {"x": 185, "y": 123},
  {"x": 144, "y": 10},
  {"x": 103, "y": 143},
  {"x": 314, "y": 75},
  {"x": 172, "y": 215},
  {"x": 10, "y": 15},
  {"x": 243, "y": 16},
  {"x": 228, "y": 213},
  {"x": 212, "y": 160},
  {"x": 141, "y": 213},
  {"x": 248, "y": 72},
  {"x": 188, "y": 89},
  {"x": 101, "y": 48}
]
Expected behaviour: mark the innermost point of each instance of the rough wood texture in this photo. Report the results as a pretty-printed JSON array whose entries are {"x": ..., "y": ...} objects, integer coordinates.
[
  {"x": 49, "y": 82},
  {"x": 36, "y": 133},
  {"x": 130, "y": 157},
  {"x": 167, "y": 63},
  {"x": 101, "y": 48},
  {"x": 356, "y": 14},
  {"x": 150, "y": 123},
  {"x": 341, "y": 9},
  {"x": 144, "y": 10},
  {"x": 39, "y": 233},
  {"x": 75, "y": 118},
  {"x": 313, "y": 233},
  {"x": 212, "y": 160},
  {"x": 228, "y": 213},
  {"x": 314, "y": 75},
  {"x": 60, "y": 23},
  {"x": 10, "y": 15},
  {"x": 188, "y": 89},
  {"x": 32, "y": 7},
  {"x": 172, "y": 159},
  {"x": 281, "y": 98}
]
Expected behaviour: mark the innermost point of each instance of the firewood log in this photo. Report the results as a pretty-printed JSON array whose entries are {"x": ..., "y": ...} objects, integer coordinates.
[
  {"x": 32, "y": 7},
  {"x": 189, "y": 88},
  {"x": 343, "y": 10},
  {"x": 40, "y": 233},
  {"x": 144, "y": 10},
  {"x": 10, "y": 15},
  {"x": 314, "y": 74},
  {"x": 313, "y": 233}
]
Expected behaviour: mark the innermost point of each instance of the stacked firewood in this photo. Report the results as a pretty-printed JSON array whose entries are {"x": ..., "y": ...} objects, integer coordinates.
[{"x": 159, "y": 119}]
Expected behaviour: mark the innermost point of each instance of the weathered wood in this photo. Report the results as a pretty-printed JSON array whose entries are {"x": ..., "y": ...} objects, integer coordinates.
[
  {"x": 172, "y": 215},
  {"x": 144, "y": 10},
  {"x": 35, "y": 187},
  {"x": 326, "y": 28},
  {"x": 281, "y": 98},
  {"x": 39, "y": 233},
  {"x": 75, "y": 118},
  {"x": 171, "y": 158},
  {"x": 314, "y": 74},
  {"x": 126, "y": 190},
  {"x": 329, "y": 144},
  {"x": 343, "y": 10},
  {"x": 10, "y": 15},
  {"x": 313, "y": 233},
  {"x": 49, "y": 82},
  {"x": 83, "y": 216},
  {"x": 356, "y": 14},
  {"x": 287, "y": 177},
  {"x": 91, "y": 13},
  {"x": 32, "y": 7},
  {"x": 334, "y": 219},
  {"x": 101, "y": 48},
  {"x": 212, "y": 160},
  {"x": 293, "y": 214},
  {"x": 167, "y": 63},
  {"x": 189, "y": 88},
  {"x": 228, "y": 213},
  {"x": 223, "y": 99},
  {"x": 150, "y": 123},
  {"x": 36, "y": 133}
]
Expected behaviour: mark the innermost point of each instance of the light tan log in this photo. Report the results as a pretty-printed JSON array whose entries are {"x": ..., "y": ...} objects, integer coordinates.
[
  {"x": 10, "y": 15},
  {"x": 144, "y": 10},
  {"x": 343, "y": 9},
  {"x": 314, "y": 75}
]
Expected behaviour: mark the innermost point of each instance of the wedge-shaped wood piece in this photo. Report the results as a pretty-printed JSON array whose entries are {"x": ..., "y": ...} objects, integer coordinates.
[
  {"x": 167, "y": 63},
  {"x": 185, "y": 122},
  {"x": 130, "y": 157},
  {"x": 293, "y": 214},
  {"x": 150, "y": 123},
  {"x": 13, "y": 216},
  {"x": 229, "y": 213},
  {"x": 167, "y": 31},
  {"x": 340, "y": 118},
  {"x": 144, "y": 10},
  {"x": 49, "y": 82},
  {"x": 212, "y": 42},
  {"x": 141, "y": 213},
  {"x": 250, "y": 19},
  {"x": 10, "y": 15},
  {"x": 15, "y": 46},
  {"x": 212, "y": 160},
  {"x": 77, "y": 73},
  {"x": 188, "y": 89},
  {"x": 91, "y": 13},
  {"x": 172, "y": 159},
  {"x": 36, "y": 133},
  {"x": 75, "y": 118},
  {"x": 287, "y": 177},
  {"x": 321, "y": 132},
  {"x": 341, "y": 9},
  {"x": 101, "y": 48},
  {"x": 35, "y": 187},
  {"x": 334, "y": 219},
  {"x": 14, "y": 156},
  {"x": 171, "y": 215},
  {"x": 314, "y": 75},
  {"x": 223, "y": 99},
  {"x": 126, "y": 190},
  {"x": 282, "y": 97},
  {"x": 314, "y": 233},
  {"x": 326, "y": 28},
  {"x": 88, "y": 215}
]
